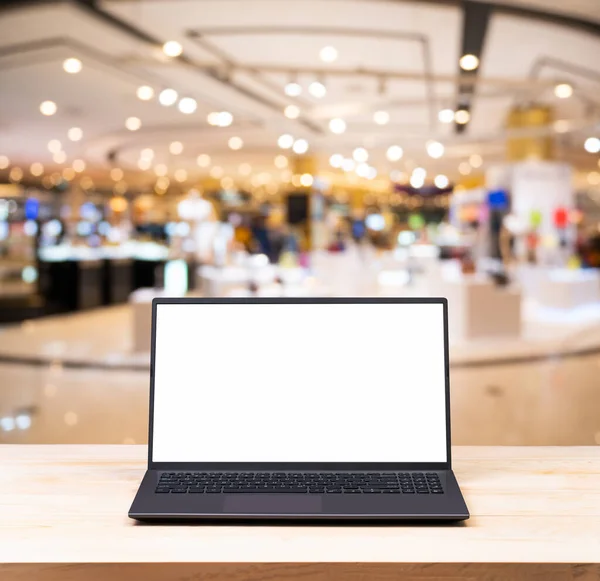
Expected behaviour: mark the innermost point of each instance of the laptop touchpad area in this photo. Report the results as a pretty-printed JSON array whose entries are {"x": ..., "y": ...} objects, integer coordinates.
[{"x": 280, "y": 504}]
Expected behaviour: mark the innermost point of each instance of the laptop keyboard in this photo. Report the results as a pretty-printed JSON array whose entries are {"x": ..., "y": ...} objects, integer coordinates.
[{"x": 299, "y": 483}]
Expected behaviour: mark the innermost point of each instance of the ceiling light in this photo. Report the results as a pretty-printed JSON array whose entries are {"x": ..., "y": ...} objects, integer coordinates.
[
  {"x": 469, "y": 62},
  {"x": 337, "y": 126},
  {"x": 292, "y": 112},
  {"x": 16, "y": 174},
  {"x": 292, "y": 89},
  {"x": 147, "y": 153},
  {"x": 163, "y": 182},
  {"x": 328, "y": 54},
  {"x": 48, "y": 108},
  {"x": 317, "y": 89},
  {"x": 336, "y": 160},
  {"x": 281, "y": 162},
  {"x": 187, "y": 105},
  {"x": 145, "y": 93},
  {"x": 216, "y": 172},
  {"x": 203, "y": 160},
  {"x": 78, "y": 165},
  {"x": 120, "y": 187},
  {"x": 160, "y": 170},
  {"x": 306, "y": 180},
  {"x": 36, "y": 169},
  {"x": 54, "y": 145},
  {"x": 435, "y": 149},
  {"x": 86, "y": 182},
  {"x": 360, "y": 154},
  {"x": 285, "y": 141},
  {"x": 180, "y": 175},
  {"x": 446, "y": 116},
  {"x": 372, "y": 173},
  {"x": 224, "y": 119},
  {"x": 300, "y": 146},
  {"x": 133, "y": 123},
  {"x": 75, "y": 134},
  {"x": 4, "y": 162},
  {"x": 348, "y": 164},
  {"x": 72, "y": 65},
  {"x": 417, "y": 181},
  {"x": 167, "y": 97},
  {"x": 68, "y": 173},
  {"x": 116, "y": 174},
  {"x": 245, "y": 169},
  {"x": 394, "y": 153},
  {"x": 441, "y": 181},
  {"x": 227, "y": 183},
  {"x": 213, "y": 118},
  {"x": 592, "y": 145},
  {"x": 144, "y": 163},
  {"x": 172, "y": 48},
  {"x": 476, "y": 160},
  {"x": 381, "y": 117},
  {"x": 176, "y": 148},
  {"x": 235, "y": 143},
  {"x": 362, "y": 170},
  {"x": 563, "y": 91},
  {"x": 462, "y": 116},
  {"x": 59, "y": 157},
  {"x": 420, "y": 172},
  {"x": 561, "y": 126},
  {"x": 464, "y": 168},
  {"x": 593, "y": 178}
]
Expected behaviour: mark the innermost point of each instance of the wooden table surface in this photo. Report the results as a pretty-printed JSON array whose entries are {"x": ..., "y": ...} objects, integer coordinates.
[{"x": 63, "y": 515}]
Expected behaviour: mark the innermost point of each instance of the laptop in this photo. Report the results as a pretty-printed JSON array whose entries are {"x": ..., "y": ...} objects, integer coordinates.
[{"x": 299, "y": 410}]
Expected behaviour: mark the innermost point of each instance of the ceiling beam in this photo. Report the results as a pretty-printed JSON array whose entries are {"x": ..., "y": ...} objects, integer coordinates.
[
  {"x": 476, "y": 17},
  {"x": 93, "y": 7}
]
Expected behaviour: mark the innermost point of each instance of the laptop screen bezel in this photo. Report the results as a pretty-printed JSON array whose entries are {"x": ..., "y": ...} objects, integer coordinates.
[{"x": 254, "y": 466}]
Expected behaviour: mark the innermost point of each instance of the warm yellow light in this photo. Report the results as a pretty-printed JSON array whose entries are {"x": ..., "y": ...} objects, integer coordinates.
[
  {"x": 235, "y": 143},
  {"x": 54, "y": 146},
  {"x": 133, "y": 123},
  {"x": 172, "y": 48},
  {"x": 15, "y": 174},
  {"x": 281, "y": 161},
  {"x": 116, "y": 173},
  {"x": 59, "y": 157},
  {"x": 306, "y": 180},
  {"x": 36, "y": 169},
  {"x": 160, "y": 169},
  {"x": 469, "y": 62},
  {"x": 563, "y": 91},
  {"x": 72, "y": 66},
  {"x": 48, "y": 108},
  {"x": 476, "y": 160},
  {"x": 176, "y": 148},
  {"x": 180, "y": 175},
  {"x": 78, "y": 165},
  {"x": 145, "y": 93},
  {"x": 203, "y": 160},
  {"x": 462, "y": 116},
  {"x": 216, "y": 172},
  {"x": 68, "y": 173}
]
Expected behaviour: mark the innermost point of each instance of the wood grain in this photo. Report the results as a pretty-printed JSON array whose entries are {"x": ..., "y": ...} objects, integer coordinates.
[{"x": 63, "y": 515}]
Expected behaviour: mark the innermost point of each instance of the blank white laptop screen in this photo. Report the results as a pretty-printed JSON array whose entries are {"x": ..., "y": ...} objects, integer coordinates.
[{"x": 299, "y": 383}]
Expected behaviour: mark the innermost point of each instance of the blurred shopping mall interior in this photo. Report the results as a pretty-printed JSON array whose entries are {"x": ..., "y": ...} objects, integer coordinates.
[{"x": 300, "y": 148}]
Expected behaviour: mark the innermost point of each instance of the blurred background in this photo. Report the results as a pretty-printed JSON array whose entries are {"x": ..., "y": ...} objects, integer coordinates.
[{"x": 300, "y": 148}]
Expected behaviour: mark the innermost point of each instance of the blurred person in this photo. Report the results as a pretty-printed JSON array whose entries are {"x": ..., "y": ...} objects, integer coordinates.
[{"x": 260, "y": 235}]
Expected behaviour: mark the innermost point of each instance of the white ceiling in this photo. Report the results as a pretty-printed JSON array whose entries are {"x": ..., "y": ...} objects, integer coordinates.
[{"x": 382, "y": 35}]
